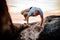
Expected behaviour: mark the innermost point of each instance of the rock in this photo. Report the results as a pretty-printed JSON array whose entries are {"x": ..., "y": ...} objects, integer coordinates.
[
  {"x": 51, "y": 29},
  {"x": 32, "y": 32}
]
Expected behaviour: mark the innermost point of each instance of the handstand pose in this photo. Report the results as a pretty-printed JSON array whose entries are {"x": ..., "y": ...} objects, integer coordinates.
[{"x": 32, "y": 11}]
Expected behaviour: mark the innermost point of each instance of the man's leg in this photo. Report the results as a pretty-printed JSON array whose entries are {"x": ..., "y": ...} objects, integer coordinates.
[{"x": 25, "y": 15}]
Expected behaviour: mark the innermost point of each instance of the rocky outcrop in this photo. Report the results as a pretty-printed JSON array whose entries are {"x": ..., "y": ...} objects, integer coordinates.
[
  {"x": 51, "y": 28},
  {"x": 32, "y": 32}
]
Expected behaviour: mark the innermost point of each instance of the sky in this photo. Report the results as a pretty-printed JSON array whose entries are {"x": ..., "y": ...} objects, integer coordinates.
[
  {"x": 16, "y": 6},
  {"x": 19, "y": 5}
]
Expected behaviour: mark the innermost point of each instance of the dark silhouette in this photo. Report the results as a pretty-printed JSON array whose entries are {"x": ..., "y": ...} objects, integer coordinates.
[{"x": 7, "y": 30}]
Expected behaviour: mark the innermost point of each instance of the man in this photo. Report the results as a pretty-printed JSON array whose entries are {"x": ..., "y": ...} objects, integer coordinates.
[
  {"x": 25, "y": 12},
  {"x": 33, "y": 11}
]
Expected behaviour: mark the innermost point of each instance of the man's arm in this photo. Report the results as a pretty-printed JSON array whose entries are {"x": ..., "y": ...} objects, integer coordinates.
[{"x": 41, "y": 20}]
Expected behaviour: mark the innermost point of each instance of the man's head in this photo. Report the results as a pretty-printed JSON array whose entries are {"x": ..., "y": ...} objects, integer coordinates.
[{"x": 36, "y": 13}]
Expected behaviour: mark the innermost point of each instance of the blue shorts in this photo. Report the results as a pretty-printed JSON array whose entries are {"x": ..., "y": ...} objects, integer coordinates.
[{"x": 32, "y": 10}]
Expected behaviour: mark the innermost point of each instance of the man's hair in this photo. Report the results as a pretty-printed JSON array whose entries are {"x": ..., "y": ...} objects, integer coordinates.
[{"x": 30, "y": 7}]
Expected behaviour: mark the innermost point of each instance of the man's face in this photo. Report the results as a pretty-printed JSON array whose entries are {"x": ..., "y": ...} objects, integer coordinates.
[{"x": 36, "y": 13}]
